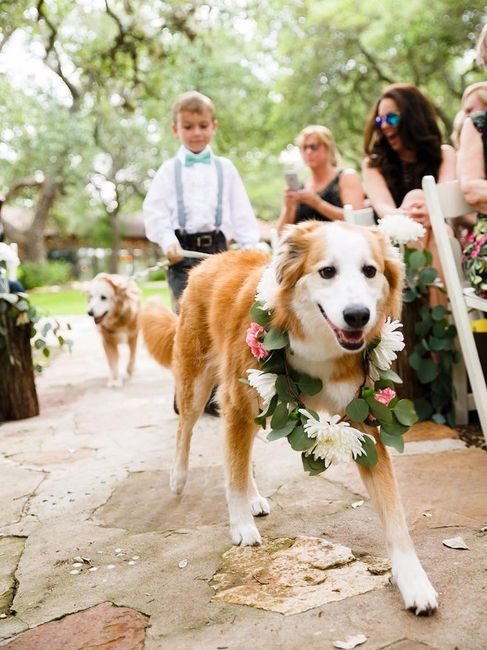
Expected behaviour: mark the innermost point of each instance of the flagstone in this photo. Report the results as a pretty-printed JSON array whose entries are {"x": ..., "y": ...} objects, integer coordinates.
[
  {"x": 17, "y": 486},
  {"x": 11, "y": 549},
  {"x": 102, "y": 626},
  {"x": 293, "y": 575}
]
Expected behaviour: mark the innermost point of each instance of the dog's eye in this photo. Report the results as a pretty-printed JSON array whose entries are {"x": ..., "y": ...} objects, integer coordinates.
[
  {"x": 327, "y": 272},
  {"x": 369, "y": 271},
  {"x": 103, "y": 297}
]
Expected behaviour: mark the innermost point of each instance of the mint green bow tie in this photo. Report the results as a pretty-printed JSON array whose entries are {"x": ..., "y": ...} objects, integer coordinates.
[{"x": 193, "y": 158}]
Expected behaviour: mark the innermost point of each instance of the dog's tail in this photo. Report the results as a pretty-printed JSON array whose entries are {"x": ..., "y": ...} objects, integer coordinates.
[{"x": 159, "y": 327}]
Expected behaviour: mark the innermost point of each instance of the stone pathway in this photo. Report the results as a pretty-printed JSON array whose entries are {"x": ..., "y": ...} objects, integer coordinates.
[{"x": 95, "y": 551}]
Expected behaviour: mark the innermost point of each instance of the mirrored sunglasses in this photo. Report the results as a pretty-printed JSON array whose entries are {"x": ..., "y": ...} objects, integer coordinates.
[
  {"x": 391, "y": 118},
  {"x": 314, "y": 146}
]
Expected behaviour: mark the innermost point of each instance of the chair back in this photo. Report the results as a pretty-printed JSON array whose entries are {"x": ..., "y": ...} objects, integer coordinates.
[
  {"x": 451, "y": 199},
  {"x": 362, "y": 217}
]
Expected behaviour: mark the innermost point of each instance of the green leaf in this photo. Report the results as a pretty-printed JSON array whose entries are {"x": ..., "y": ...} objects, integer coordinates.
[
  {"x": 39, "y": 343},
  {"x": 428, "y": 276},
  {"x": 415, "y": 360},
  {"x": 391, "y": 375},
  {"x": 392, "y": 441},
  {"x": 417, "y": 260},
  {"x": 46, "y": 352},
  {"x": 269, "y": 410},
  {"x": 280, "y": 417},
  {"x": 299, "y": 440},
  {"x": 369, "y": 458},
  {"x": 423, "y": 408},
  {"x": 274, "y": 363},
  {"x": 379, "y": 411},
  {"x": 427, "y": 371},
  {"x": 284, "y": 431},
  {"x": 313, "y": 466},
  {"x": 395, "y": 428},
  {"x": 357, "y": 410},
  {"x": 405, "y": 412},
  {"x": 438, "y": 312},
  {"x": 409, "y": 296},
  {"x": 284, "y": 388},
  {"x": 275, "y": 339},
  {"x": 308, "y": 385},
  {"x": 260, "y": 316}
]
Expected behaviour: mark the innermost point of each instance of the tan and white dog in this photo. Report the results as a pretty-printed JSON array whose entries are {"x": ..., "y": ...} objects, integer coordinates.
[
  {"x": 114, "y": 305},
  {"x": 330, "y": 286}
]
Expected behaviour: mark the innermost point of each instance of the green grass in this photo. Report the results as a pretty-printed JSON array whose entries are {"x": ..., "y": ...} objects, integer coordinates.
[{"x": 72, "y": 302}]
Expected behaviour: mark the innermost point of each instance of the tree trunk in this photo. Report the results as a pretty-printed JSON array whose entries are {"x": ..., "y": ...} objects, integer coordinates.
[
  {"x": 35, "y": 251},
  {"x": 411, "y": 388},
  {"x": 18, "y": 396},
  {"x": 115, "y": 229}
]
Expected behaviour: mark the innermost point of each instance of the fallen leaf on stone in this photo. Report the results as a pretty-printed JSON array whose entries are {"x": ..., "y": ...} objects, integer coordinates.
[
  {"x": 456, "y": 542},
  {"x": 131, "y": 562},
  {"x": 350, "y": 642},
  {"x": 74, "y": 572},
  {"x": 135, "y": 557},
  {"x": 183, "y": 564},
  {"x": 93, "y": 568},
  {"x": 483, "y": 529},
  {"x": 3, "y": 615},
  {"x": 357, "y": 504},
  {"x": 427, "y": 514},
  {"x": 77, "y": 564}
]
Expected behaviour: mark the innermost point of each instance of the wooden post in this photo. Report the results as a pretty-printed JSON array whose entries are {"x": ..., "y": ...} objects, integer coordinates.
[{"x": 18, "y": 395}]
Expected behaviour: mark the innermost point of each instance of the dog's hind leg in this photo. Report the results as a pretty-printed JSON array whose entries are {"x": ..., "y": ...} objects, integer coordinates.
[
  {"x": 132, "y": 343},
  {"x": 192, "y": 395},
  {"x": 417, "y": 591},
  {"x": 240, "y": 430}
]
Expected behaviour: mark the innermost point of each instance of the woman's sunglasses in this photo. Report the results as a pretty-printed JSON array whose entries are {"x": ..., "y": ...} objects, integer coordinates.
[
  {"x": 391, "y": 118},
  {"x": 314, "y": 146}
]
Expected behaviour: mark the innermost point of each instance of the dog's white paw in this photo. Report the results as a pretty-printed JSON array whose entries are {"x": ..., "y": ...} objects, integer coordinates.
[
  {"x": 259, "y": 506},
  {"x": 245, "y": 535},
  {"x": 177, "y": 480},
  {"x": 115, "y": 383},
  {"x": 418, "y": 593}
]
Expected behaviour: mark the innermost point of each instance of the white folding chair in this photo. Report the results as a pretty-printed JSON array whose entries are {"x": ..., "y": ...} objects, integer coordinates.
[
  {"x": 445, "y": 201},
  {"x": 362, "y": 217}
]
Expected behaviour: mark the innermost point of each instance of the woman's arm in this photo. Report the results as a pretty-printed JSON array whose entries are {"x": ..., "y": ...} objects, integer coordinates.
[
  {"x": 377, "y": 191},
  {"x": 471, "y": 168},
  {"x": 448, "y": 167},
  {"x": 288, "y": 210},
  {"x": 350, "y": 192}
]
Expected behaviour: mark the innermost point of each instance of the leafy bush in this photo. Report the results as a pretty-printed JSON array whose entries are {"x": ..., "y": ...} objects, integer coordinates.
[
  {"x": 45, "y": 274},
  {"x": 157, "y": 275}
]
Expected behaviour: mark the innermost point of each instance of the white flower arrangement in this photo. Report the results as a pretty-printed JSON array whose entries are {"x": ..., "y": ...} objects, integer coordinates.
[
  {"x": 384, "y": 353},
  {"x": 336, "y": 441},
  {"x": 264, "y": 384},
  {"x": 8, "y": 256},
  {"x": 401, "y": 229}
]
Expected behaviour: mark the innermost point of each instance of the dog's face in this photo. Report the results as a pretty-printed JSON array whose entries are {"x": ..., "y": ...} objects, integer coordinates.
[
  {"x": 343, "y": 277},
  {"x": 104, "y": 293}
]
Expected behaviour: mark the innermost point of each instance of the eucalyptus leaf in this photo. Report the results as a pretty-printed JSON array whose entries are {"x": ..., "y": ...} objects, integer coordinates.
[
  {"x": 428, "y": 371},
  {"x": 311, "y": 465},
  {"x": 391, "y": 375},
  {"x": 392, "y": 441},
  {"x": 379, "y": 411},
  {"x": 284, "y": 431},
  {"x": 308, "y": 385},
  {"x": 357, "y": 410},
  {"x": 405, "y": 412},
  {"x": 275, "y": 339},
  {"x": 395, "y": 428},
  {"x": 369, "y": 458},
  {"x": 280, "y": 417},
  {"x": 299, "y": 440},
  {"x": 259, "y": 315},
  {"x": 417, "y": 259},
  {"x": 284, "y": 388}
]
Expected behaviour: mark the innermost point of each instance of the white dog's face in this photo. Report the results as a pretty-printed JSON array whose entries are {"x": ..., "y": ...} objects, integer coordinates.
[
  {"x": 343, "y": 286},
  {"x": 101, "y": 298}
]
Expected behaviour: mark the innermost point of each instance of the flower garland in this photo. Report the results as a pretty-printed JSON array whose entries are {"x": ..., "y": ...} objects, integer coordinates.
[
  {"x": 474, "y": 256},
  {"x": 326, "y": 440}
]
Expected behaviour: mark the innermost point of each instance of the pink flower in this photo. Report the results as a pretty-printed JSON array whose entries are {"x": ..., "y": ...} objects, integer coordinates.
[
  {"x": 385, "y": 395},
  {"x": 252, "y": 338}
]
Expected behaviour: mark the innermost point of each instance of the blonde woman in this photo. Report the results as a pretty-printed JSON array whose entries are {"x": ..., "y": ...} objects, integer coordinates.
[{"x": 329, "y": 188}]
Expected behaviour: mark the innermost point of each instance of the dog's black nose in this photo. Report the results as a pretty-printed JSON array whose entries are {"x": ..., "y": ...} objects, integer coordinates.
[
  {"x": 356, "y": 316},
  {"x": 90, "y": 312}
]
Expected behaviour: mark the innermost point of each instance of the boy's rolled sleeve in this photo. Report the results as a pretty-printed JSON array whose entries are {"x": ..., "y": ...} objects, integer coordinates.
[
  {"x": 244, "y": 224},
  {"x": 157, "y": 215}
]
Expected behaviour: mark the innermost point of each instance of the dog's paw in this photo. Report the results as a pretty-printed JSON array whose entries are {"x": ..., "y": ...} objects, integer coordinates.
[
  {"x": 418, "y": 593},
  {"x": 115, "y": 383},
  {"x": 245, "y": 535},
  {"x": 177, "y": 480},
  {"x": 259, "y": 506}
]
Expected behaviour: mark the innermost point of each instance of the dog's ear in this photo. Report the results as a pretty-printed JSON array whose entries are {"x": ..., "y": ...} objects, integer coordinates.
[
  {"x": 119, "y": 282},
  {"x": 290, "y": 257},
  {"x": 394, "y": 270}
]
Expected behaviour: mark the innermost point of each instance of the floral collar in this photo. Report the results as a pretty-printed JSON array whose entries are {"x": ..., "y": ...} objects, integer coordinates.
[{"x": 324, "y": 440}]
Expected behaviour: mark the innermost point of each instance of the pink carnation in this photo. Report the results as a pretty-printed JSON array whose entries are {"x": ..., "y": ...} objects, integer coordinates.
[
  {"x": 385, "y": 395},
  {"x": 252, "y": 337}
]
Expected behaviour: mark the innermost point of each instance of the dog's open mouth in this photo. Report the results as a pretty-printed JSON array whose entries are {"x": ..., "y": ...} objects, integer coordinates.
[
  {"x": 348, "y": 339},
  {"x": 98, "y": 319}
]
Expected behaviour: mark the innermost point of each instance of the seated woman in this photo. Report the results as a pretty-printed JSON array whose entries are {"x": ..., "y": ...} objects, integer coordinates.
[
  {"x": 329, "y": 188},
  {"x": 402, "y": 144},
  {"x": 472, "y": 165}
]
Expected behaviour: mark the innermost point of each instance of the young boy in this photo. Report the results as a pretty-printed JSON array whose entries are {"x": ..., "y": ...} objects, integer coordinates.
[{"x": 196, "y": 201}]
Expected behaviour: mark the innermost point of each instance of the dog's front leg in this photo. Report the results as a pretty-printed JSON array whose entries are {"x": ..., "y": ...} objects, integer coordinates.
[
  {"x": 417, "y": 591},
  {"x": 239, "y": 437},
  {"x": 132, "y": 343},
  {"x": 111, "y": 350}
]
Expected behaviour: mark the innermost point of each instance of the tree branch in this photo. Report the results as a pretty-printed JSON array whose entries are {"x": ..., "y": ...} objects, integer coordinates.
[{"x": 374, "y": 63}]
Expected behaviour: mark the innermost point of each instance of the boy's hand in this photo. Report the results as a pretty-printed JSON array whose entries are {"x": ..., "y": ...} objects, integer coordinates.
[{"x": 174, "y": 253}]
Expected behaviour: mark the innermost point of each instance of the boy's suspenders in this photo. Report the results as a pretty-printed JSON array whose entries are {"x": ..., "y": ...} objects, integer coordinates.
[{"x": 179, "y": 194}]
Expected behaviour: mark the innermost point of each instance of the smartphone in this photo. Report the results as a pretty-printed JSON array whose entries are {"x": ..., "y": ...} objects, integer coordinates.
[{"x": 292, "y": 181}]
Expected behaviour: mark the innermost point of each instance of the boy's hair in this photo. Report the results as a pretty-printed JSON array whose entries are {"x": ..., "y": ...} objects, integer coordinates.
[
  {"x": 324, "y": 135},
  {"x": 193, "y": 102}
]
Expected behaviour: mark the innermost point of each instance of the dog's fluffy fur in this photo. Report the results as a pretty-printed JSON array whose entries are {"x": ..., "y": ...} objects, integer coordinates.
[
  {"x": 330, "y": 286},
  {"x": 114, "y": 305}
]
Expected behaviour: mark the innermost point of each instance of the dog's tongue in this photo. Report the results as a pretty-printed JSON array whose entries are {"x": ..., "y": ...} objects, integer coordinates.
[
  {"x": 351, "y": 336},
  {"x": 98, "y": 319}
]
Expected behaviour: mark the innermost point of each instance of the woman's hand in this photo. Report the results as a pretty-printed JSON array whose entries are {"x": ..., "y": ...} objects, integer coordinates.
[
  {"x": 308, "y": 197},
  {"x": 290, "y": 199}
]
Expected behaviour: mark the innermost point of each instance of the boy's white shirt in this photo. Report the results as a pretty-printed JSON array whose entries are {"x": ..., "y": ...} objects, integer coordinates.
[{"x": 200, "y": 193}]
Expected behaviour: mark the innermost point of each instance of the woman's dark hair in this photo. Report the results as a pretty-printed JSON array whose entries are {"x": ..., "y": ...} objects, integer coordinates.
[{"x": 419, "y": 133}]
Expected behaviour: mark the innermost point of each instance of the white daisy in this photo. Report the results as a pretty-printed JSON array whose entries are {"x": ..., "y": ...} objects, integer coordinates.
[
  {"x": 400, "y": 228},
  {"x": 267, "y": 288},
  {"x": 335, "y": 441},
  {"x": 384, "y": 353},
  {"x": 264, "y": 384}
]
